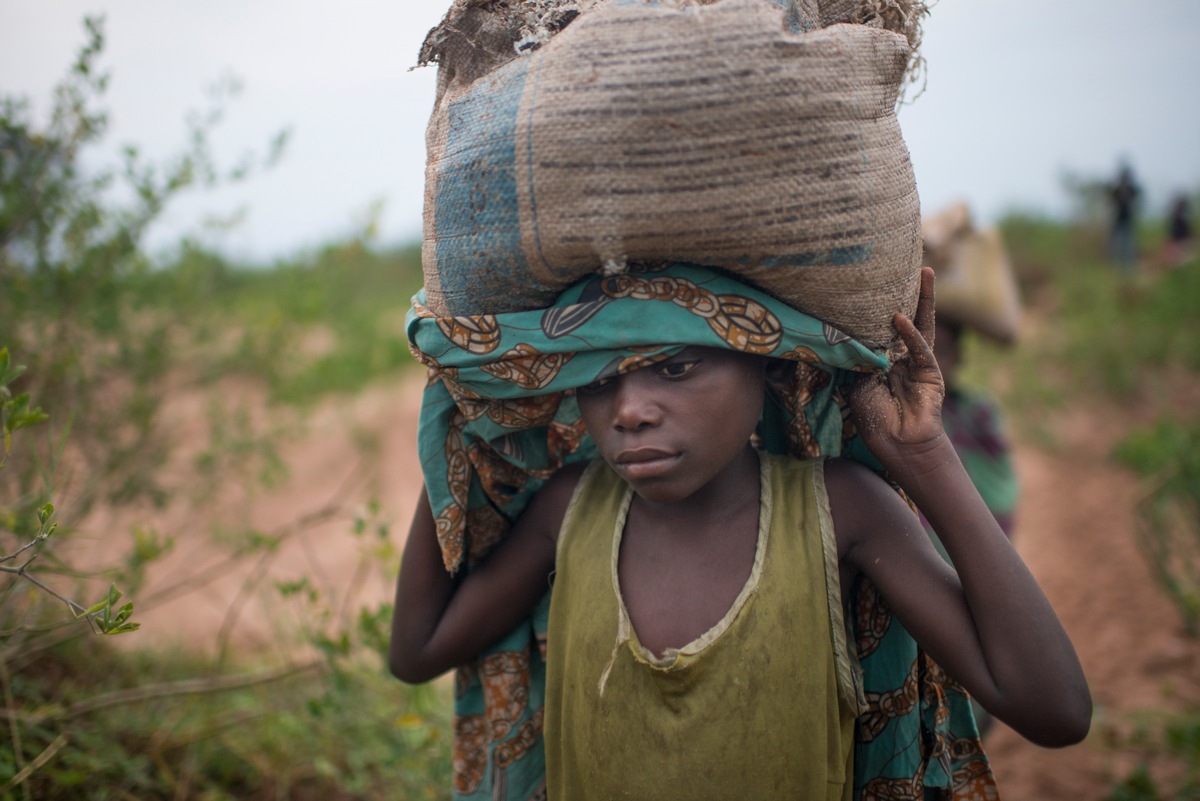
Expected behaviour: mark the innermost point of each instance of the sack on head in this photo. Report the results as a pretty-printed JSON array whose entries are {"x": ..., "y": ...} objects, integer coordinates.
[{"x": 739, "y": 134}]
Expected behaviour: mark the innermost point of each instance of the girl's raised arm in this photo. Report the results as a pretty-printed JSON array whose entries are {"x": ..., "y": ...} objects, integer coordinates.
[
  {"x": 986, "y": 620},
  {"x": 441, "y": 621}
]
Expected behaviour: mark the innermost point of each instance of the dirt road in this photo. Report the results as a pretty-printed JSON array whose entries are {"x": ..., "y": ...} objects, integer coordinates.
[{"x": 1076, "y": 532}]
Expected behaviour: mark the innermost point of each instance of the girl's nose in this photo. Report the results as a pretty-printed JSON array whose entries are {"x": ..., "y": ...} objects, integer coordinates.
[{"x": 634, "y": 405}]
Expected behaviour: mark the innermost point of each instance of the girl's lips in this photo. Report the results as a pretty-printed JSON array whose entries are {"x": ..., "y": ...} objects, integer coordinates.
[{"x": 644, "y": 463}]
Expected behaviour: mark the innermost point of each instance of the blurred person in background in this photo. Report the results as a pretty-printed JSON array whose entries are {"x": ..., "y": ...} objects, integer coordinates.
[
  {"x": 1123, "y": 195},
  {"x": 1181, "y": 244},
  {"x": 976, "y": 292}
]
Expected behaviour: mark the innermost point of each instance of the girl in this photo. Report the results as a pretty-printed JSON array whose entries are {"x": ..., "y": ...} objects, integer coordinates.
[{"x": 696, "y": 647}]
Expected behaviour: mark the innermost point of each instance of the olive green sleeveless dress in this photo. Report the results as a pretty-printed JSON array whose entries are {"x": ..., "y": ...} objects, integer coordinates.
[{"x": 761, "y": 706}]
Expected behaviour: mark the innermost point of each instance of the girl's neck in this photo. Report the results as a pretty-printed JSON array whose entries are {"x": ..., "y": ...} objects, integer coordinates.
[
  {"x": 682, "y": 565},
  {"x": 732, "y": 490}
]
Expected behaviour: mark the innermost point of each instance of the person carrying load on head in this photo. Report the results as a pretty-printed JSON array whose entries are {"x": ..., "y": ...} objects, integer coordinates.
[
  {"x": 660, "y": 539},
  {"x": 977, "y": 296}
]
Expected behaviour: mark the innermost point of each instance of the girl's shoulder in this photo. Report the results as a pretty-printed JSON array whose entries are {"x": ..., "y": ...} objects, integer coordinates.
[
  {"x": 549, "y": 506},
  {"x": 859, "y": 499}
]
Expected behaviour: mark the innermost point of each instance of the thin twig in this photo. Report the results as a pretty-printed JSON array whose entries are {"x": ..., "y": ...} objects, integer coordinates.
[
  {"x": 25, "y": 574},
  {"x": 35, "y": 765},
  {"x": 21, "y": 654},
  {"x": 23, "y": 548},
  {"x": 200, "y": 578},
  {"x": 353, "y": 590},
  {"x": 14, "y": 730},
  {"x": 259, "y": 571},
  {"x": 42, "y": 628},
  {"x": 331, "y": 509},
  {"x": 244, "y": 592},
  {"x": 25, "y": 651},
  {"x": 1151, "y": 485},
  {"x": 169, "y": 690}
]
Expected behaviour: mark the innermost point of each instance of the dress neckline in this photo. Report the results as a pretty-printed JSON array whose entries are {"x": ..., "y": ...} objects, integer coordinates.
[{"x": 671, "y": 656}]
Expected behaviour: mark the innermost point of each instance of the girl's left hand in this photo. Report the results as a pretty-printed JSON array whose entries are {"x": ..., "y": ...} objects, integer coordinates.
[{"x": 900, "y": 412}]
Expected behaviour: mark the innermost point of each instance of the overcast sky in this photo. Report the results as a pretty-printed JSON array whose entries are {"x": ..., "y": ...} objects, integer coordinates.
[{"x": 1019, "y": 92}]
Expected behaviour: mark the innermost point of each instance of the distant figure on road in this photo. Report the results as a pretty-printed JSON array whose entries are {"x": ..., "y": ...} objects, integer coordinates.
[
  {"x": 1180, "y": 246},
  {"x": 1123, "y": 195}
]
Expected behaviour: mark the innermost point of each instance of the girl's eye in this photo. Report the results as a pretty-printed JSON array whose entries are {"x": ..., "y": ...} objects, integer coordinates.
[
  {"x": 677, "y": 369},
  {"x": 596, "y": 387}
]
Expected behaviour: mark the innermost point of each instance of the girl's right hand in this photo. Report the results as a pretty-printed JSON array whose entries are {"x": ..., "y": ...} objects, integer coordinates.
[{"x": 899, "y": 413}]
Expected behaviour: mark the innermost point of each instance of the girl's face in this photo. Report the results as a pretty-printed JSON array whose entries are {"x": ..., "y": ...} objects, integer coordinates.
[{"x": 671, "y": 429}]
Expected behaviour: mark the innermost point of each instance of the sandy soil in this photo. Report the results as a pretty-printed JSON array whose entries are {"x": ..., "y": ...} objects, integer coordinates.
[
  {"x": 1075, "y": 529},
  {"x": 352, "y": 453}
]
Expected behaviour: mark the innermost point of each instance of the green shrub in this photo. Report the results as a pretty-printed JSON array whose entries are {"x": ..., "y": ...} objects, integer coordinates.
[
  {"x": 314, "y": 325},
  {"x": 1177, "y": 735},
  {"x": 108, "y": 337},
  {"x": 155, "y": 725},
  {"x": 1110, "y": 339},
  {"x": 69, "y": 256},
  {"x": 1167, "y": 457},
  {"x": 1111, "y": 335}
]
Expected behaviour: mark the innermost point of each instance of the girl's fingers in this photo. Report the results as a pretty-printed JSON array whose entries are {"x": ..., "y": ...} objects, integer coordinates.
[
  {"x": 920, "y": 352},
  {"x": 925, "y": 318}
]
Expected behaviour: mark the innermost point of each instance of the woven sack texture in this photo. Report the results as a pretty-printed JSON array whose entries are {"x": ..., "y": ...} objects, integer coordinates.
[
  {"x": 736, "y": 135},
  {"x": 478, "y": 36}
]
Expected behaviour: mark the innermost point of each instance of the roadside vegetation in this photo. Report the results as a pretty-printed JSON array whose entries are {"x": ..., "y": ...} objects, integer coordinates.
[
  {"x": 1131, "y": 345},
  {"x": 96, "y": 338}
]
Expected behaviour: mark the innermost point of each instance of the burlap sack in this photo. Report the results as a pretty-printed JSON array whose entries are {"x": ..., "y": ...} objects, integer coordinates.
[
  {"x": 736, "y": 135},
  {"x": 976, "y": 284},
  {"x": 478, "y": 36}
]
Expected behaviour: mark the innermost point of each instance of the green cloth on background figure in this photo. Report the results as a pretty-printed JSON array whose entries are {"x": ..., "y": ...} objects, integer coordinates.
[
  {"x": 974, "y": 424},
  {"x": 499, "y": 417}
]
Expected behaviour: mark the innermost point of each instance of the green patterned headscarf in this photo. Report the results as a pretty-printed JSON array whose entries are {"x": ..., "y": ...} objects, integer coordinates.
[{"x": 499, "y": 417}]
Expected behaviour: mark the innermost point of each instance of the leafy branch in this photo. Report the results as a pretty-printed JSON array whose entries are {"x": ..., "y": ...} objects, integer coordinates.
[
  {"x": 15, "y": 413},
  {"x": 104, "y": 616}
]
